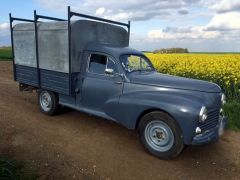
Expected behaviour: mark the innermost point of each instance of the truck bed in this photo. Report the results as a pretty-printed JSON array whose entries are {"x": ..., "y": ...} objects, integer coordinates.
[{"x": 50, "y": 80}]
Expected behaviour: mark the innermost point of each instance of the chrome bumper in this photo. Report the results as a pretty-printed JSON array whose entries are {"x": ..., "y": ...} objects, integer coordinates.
[{"x": 212, "y": 134}]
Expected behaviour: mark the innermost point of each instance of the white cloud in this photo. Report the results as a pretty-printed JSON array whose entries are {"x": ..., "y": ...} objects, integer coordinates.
[
  {"x": 121, "y": 10},
  {"x": 4, "y": 34},
  {"x": 100, "y": 11},
  {"x": 137, "y": 16},
  {"x": 139, "y": 10},
  {"x": 223, "y": 14},
  {"x": 183, "y": 11},
  {"x": 196, "y": 32},
  {"x": 227, "y": 6},
  {"x": 59, "y": 5},
  {"x": 225, "y": 26},
  {"x": 208, "y": 3},
  {"x": 4, "y": 29},
  {"x": 4, "y": 26},
  {"x": 226, "y": 21}
]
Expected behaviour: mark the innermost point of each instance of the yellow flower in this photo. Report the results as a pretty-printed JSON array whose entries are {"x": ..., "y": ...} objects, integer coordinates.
[{"x": 223, "y": 69}]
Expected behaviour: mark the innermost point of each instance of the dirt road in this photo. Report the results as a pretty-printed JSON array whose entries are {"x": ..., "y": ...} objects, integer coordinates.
[{"x": 74, "y": 145}]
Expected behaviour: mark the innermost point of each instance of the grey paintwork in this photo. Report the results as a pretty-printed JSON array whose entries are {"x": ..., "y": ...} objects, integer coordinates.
[
  {"x": 123, "y": 97},
  {"x": 50, "y": 80},
  {"x": 157, "y": 79},
  {"x": 26, "y": 75}
]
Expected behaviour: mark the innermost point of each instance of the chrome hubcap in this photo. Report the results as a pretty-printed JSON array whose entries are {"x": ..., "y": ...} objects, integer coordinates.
[
  {"x": 159, "y": 136},
  {"x": 45, "y": 101}
]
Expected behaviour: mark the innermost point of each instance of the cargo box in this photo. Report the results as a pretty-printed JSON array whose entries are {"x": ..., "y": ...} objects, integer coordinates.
[{"x": 49, "y": 54}]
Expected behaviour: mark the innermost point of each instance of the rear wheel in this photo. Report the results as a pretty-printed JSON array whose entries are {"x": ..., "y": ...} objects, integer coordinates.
[
  {"x": 161, "y": 135},
  {"x": 48, "y": 102}
]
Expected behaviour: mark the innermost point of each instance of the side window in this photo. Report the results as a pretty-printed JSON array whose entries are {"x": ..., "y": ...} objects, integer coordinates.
[
  {"x": 112, "y": 65},
  {"x": 97, "y": 63}
]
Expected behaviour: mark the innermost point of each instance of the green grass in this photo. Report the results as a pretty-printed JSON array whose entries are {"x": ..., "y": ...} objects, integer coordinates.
[
  {"x": 6, "y": 53},
  {"x": 10, "y": 169},
  {"x": 232, "y": 111}
]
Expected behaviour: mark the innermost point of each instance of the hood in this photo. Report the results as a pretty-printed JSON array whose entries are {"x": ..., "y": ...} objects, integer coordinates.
[{"x": 164, "y": 80}]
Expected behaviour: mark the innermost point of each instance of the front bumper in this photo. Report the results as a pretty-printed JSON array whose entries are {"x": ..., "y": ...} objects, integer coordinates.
[{"x": 212, "y": 134}]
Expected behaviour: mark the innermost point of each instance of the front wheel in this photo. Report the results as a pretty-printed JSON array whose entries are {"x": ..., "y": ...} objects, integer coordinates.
[
  {"x": 161, "y": 135},
  {"x": 48, "y": 102}
]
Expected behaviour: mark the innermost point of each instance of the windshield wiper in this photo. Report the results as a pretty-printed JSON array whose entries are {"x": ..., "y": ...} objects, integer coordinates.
[
  {"x": 136, "y": 70},
  {"x": 142, "y": 70}
]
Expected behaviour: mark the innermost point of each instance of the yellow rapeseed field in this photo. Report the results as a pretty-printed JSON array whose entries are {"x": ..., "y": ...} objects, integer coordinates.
[{"x": 223, "y": 69}]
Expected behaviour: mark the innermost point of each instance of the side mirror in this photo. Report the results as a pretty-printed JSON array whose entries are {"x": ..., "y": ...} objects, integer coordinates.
[{"x": 109, "y": 71}]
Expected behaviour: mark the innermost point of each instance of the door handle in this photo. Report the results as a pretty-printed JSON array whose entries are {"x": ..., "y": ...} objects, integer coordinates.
[{"x": 118, "y": 82}]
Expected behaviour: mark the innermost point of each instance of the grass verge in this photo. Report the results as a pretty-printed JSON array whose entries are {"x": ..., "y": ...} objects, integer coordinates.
[
  {"x": 5, "y": 54},
  {"x": 232, "y": 111},
  {"x": 10, "y": 169}
]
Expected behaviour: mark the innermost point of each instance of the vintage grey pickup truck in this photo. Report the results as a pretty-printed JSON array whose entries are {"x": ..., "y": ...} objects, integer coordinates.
[{"x": 87, "y": 65}]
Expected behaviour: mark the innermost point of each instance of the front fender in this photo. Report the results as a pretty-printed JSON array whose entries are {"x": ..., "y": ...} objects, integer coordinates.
[{"x": 183, "y": 106}]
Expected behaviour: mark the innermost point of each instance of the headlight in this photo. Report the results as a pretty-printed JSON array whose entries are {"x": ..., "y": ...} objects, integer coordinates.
[
  {"x": 203, "y": 114},
  {"x": 223, "y": 99}
]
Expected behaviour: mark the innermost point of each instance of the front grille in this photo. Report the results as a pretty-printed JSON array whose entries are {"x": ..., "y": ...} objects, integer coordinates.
[{"x": 212, "y": 120}]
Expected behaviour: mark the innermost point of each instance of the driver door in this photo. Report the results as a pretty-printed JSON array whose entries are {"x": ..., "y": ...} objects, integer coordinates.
[{"x": 101, "y": 90}]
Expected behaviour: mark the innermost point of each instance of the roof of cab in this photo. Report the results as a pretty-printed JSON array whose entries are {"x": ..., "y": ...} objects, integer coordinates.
[{"x": 114, "y": 51}]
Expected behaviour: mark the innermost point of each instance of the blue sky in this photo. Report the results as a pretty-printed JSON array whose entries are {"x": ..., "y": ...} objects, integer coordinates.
[{"x": 199, "y": 25}]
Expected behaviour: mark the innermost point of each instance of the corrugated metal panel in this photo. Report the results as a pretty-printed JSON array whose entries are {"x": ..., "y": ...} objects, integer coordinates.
[
  {"x": 50, "y": 80},
  {"x": 55, "y": 81},
  {"x": 26, "y": 75}
]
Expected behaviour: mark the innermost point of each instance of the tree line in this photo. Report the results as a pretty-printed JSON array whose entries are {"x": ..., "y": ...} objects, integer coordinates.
[{"x": 171, "y": 50}]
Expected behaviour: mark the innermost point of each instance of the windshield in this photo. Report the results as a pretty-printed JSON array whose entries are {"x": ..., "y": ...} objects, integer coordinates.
[{"x": 133, "y": 63}]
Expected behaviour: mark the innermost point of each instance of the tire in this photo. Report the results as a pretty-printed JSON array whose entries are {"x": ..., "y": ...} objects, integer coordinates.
[
  {"x": 48, "y": 102},
  {"x": 161, "y": 135}
]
